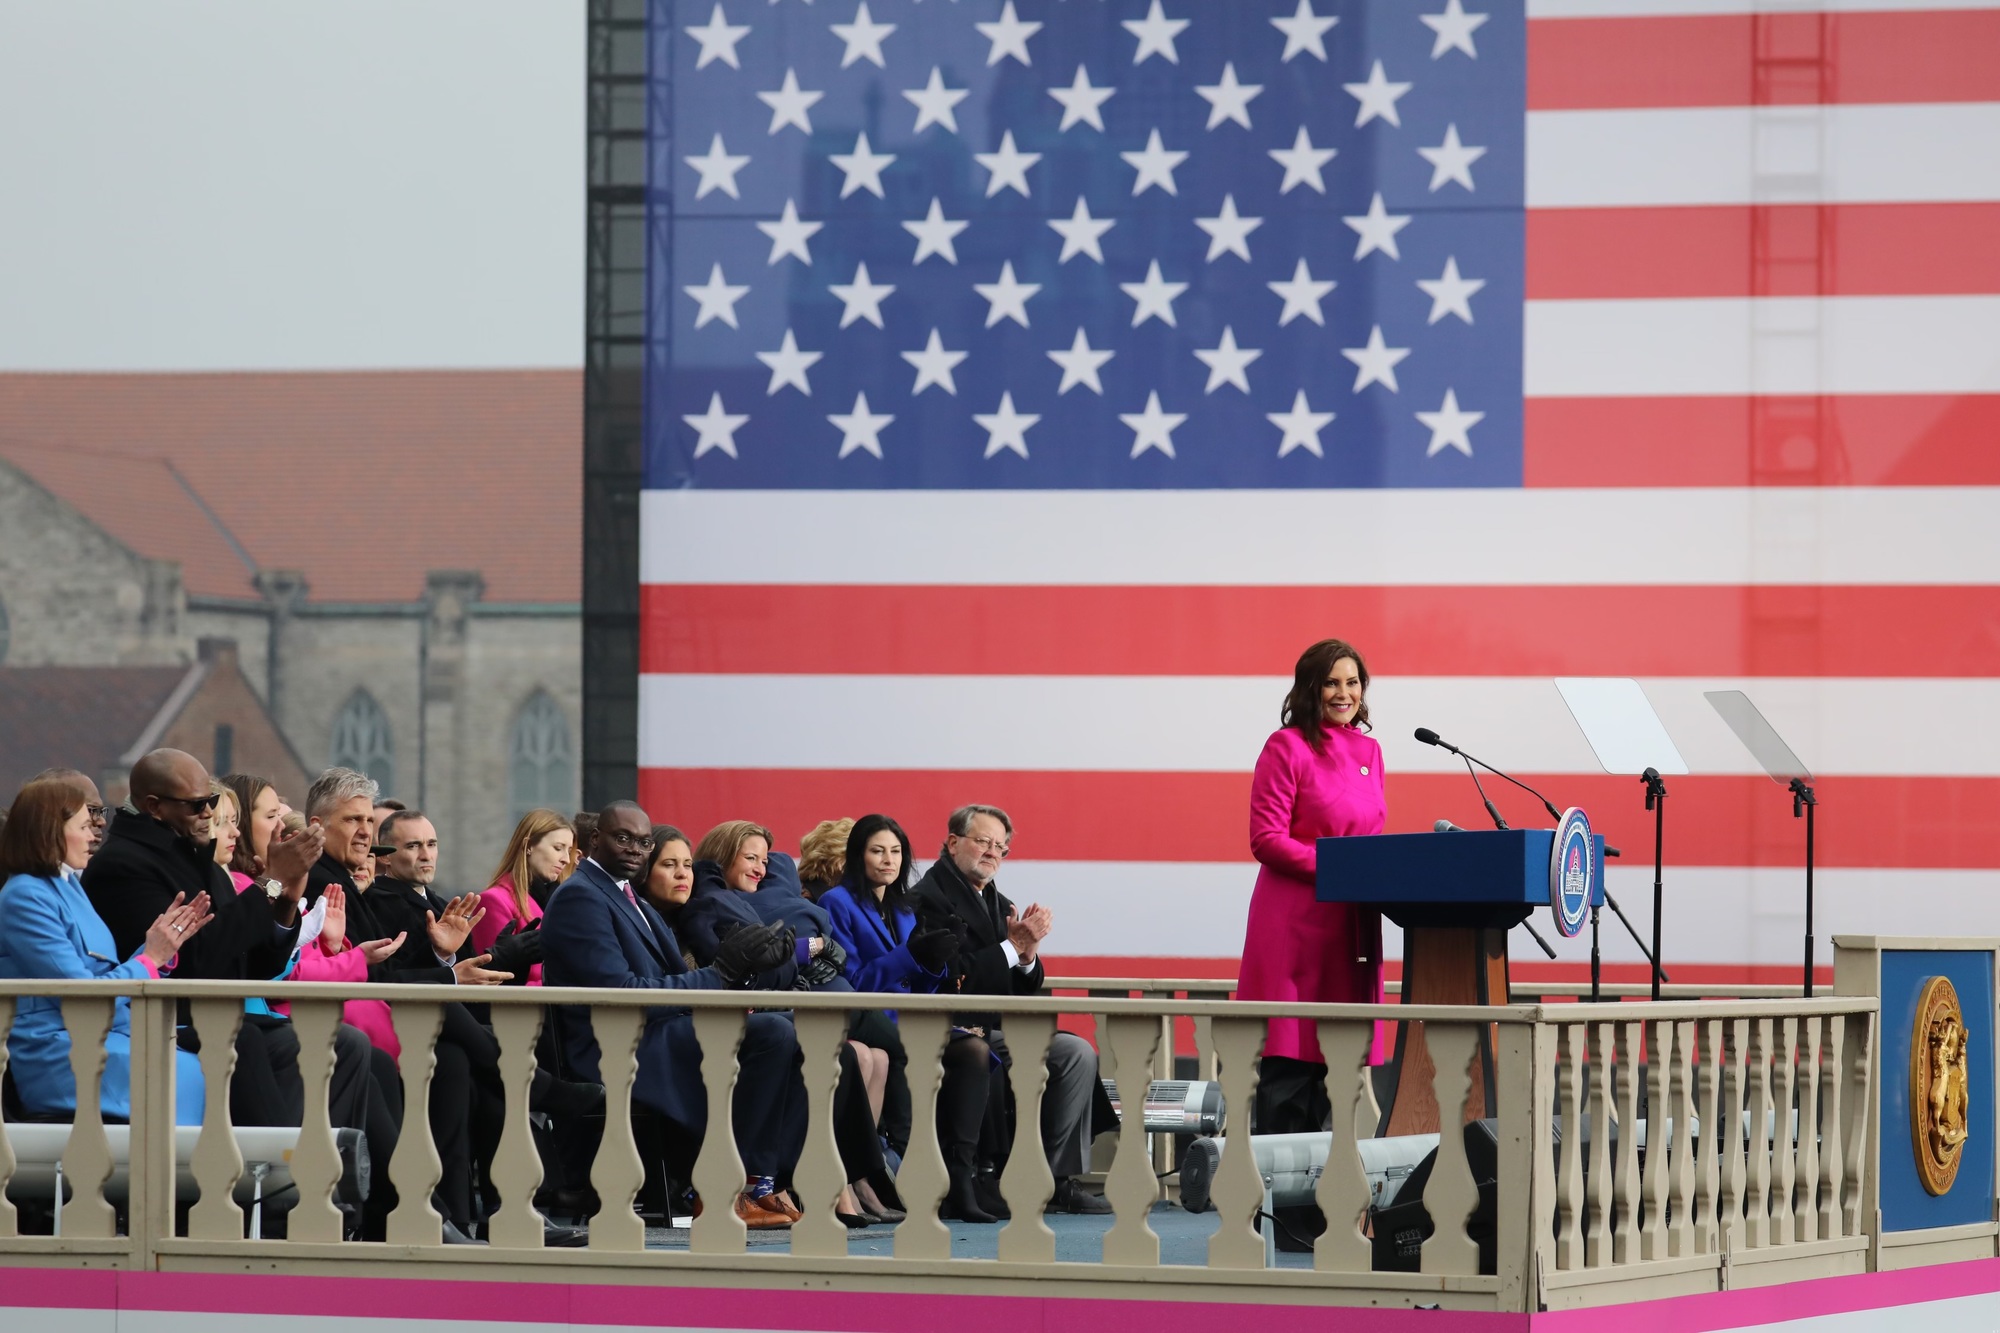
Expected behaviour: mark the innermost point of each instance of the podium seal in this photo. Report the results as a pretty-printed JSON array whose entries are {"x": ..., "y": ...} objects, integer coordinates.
[
  {"x": 1940, "y": 1091},
  {"x": 1572, "y": 872}
]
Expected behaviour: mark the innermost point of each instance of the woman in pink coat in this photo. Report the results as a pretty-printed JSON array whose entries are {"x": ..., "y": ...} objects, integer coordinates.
[
  {"x": 1319, "y": 776},
  {"x": 539, "y": 857}
]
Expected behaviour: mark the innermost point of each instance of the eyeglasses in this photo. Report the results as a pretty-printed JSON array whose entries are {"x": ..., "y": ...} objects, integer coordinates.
[
  {"x": 632, "y": 842},
  {"x": 993, "y": 845},
  {"x": 97, "y": 813},
  {"x": 194, "y": 802}
]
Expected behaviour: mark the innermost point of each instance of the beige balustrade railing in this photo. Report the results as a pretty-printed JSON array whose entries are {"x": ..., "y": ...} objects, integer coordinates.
[{"x": 1784, "y": 1084}]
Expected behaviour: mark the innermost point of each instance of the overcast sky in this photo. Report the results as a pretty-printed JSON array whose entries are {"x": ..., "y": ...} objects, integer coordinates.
[{"x": 290, "y": 184}]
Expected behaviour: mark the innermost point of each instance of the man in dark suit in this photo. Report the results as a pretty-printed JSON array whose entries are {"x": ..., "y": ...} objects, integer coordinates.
[
  {"x": 1002, "y": 957},
  {"x": 598, "y": 932}
]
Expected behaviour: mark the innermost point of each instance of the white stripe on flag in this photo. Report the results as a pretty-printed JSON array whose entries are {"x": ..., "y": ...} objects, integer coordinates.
[
  {"x": 1215, "y": 724},
  {"x": 1841, "y": 154},
  {"x": 1486, "y": 538},
  {"x": 1772, "y": 345},
  {"x": 1714, "y": 914}
]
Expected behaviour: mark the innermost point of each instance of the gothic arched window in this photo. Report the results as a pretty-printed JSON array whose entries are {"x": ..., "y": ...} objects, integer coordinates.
[
  {"x": 361, "y": 740},
  {"x": 541, "y": 766}
]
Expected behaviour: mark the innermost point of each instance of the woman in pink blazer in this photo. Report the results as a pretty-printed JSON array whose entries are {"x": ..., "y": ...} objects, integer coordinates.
[{"x": 1320, "y": 776}]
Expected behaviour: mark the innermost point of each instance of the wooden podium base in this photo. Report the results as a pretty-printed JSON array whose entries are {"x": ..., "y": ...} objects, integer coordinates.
[{"x": 1444, "y": 965}]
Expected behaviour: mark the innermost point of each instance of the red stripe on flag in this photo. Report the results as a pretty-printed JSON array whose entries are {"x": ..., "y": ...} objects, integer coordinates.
[
  {"x": 1407, "y": 631},
  {"x": 1844, "y": 440},
  {"x": 1720, "y": 821},
  {"x": 1779, "y": 250},
  {"x": 1763, "y": 59}
]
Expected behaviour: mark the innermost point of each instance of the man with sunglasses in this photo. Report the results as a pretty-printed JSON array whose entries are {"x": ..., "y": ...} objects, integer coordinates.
[{"x": 160, "y": 844}]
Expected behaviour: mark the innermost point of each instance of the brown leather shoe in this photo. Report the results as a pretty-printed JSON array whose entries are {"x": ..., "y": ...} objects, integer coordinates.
[
  {"x": 757, "y": 1217},
  {"x": 781, "y": 1204}
]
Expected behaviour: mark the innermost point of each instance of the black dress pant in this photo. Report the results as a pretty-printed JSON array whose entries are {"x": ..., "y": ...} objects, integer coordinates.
[
  {"x": 266, "y": 1089},
  {"x": 967, "y": 1100},
  {"x": 1291, "y": 1097},
  {"x": 466, "y": 1110}
]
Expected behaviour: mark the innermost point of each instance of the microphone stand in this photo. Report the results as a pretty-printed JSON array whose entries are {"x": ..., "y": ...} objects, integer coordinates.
[
  {"x": 1652, "y": 954},
  {"x": 1804, "y": 802},
  {"x": 1656, "y": 801}
]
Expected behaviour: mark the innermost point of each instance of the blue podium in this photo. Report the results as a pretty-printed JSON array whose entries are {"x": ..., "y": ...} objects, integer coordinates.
[{"x": 1455, "y": 895}]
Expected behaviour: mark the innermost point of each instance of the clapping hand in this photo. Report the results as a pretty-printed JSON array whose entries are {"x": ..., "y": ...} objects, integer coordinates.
[
  {"x": 333, "y": 926},
  {"x": 1026, "y": 930},
  {"x": 291, "y": 856},
  {"x": 448, "y": 932},
  {"x": 377, "y": 951},
  {"x": 173, "y": 927}
]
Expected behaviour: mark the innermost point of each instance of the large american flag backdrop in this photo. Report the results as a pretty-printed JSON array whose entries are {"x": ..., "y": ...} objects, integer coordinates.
[{"x": 1029, "y": 381}]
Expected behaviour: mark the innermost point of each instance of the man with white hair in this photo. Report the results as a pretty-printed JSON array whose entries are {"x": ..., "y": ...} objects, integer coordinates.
[{"x": 1002, "y": 956}]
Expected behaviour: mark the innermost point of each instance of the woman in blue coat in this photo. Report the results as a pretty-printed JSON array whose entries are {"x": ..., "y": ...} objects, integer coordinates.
[
  {"x": 48, "y": 930},
  {"x": 888, "y": 949}
]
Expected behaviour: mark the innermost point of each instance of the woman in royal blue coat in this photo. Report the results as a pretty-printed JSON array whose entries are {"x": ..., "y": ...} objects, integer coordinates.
[
  {"x": 49, "y": 931},
  {"x": 888, "y": 949}
]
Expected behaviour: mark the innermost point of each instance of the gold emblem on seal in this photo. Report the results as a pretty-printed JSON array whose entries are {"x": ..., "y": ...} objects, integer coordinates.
[{"x": 1940, "y": 1089}]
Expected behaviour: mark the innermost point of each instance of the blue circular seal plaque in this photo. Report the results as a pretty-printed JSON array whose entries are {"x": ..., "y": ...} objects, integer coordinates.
[{"x": 1572, "y": 872}]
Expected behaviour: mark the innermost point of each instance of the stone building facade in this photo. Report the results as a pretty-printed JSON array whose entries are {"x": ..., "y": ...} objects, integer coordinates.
[{"x": 417, "y": 642}]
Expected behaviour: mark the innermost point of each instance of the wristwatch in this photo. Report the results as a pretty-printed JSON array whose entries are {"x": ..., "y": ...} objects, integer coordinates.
[{"x": 273, "y": 889}]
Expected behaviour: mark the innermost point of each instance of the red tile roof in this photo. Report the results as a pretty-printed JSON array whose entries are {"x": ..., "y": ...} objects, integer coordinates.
[
  {"x": 75, "y": 717},
  {"x": 363, "y": 480}
]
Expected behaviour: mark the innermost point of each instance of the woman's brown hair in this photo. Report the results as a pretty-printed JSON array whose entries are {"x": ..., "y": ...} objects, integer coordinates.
[
  {"x": 721, "y": 843},
  {"x": 31, "y": 841},
  {"x": 1302, "y": 706},
  {"x": 513, "y": 867}
]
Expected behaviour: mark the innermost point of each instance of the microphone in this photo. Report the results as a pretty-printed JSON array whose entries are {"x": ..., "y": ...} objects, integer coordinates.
[
  {"x": 1446, "y": 826},
  {"x": 1429, "y": 737}
]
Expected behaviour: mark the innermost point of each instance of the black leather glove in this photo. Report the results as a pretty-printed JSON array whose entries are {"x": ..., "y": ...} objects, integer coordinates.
[
  {"x": 933, "y": 945},
  {"x": 516, "y": 950},
  {"x": 750, "y": 950}
]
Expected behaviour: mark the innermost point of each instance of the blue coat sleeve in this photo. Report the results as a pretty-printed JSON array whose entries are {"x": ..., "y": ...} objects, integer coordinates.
[
  {"x": 869, "y": 967},
  {"x": 580, "y": 947},
  {"x": 35, "y": 920}
]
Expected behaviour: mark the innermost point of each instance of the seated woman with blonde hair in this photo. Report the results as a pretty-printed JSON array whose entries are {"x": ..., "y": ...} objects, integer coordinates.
[{"x": 823, "y": 856}]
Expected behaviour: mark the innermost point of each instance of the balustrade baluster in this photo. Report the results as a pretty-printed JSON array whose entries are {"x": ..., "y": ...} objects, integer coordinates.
[
  {"x": 1027, "y": 1184},
  {"x": 415, "y": 1166},
  {"x": 1343, "y": 1192},
  {"x": 149, "y": 1200},
  {"x": 923, "y": 1179},
  {"x": 1763, "y": 1139},
  {"x": 1132, "y": 1187},
  {"x": 1573, "y": 1103},
  {"x": 1204, "y": 1049},
  {"x": 718, "y": 1168},
  {"x": 1625, "y": 1186},
  {"x": 1860, "y": 1043},
  {"x": 820, "y": 1176},
  {"x": 10, "y": 1222},
  {"x": 1237, "y": 1191},
  {"x": 517, "y": 1165},
  {"x": 1663, "y": 1134},
  {"x": 1452, "y": 1193},
  {"x": 1784, "y": 1143},
  {"x": 1708, "y": 1167},
  {"x": 316, "y": 1161},
  {"x": 1734, "y": 1134},
  {"x": 1832, "y": 1163},
  {"x": 1597, "y": 1231},
  {"x": 218, "y": 1163},
  {"x": 1805, "y": 1215},
  {"x": 1681, "y": 1196}
]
